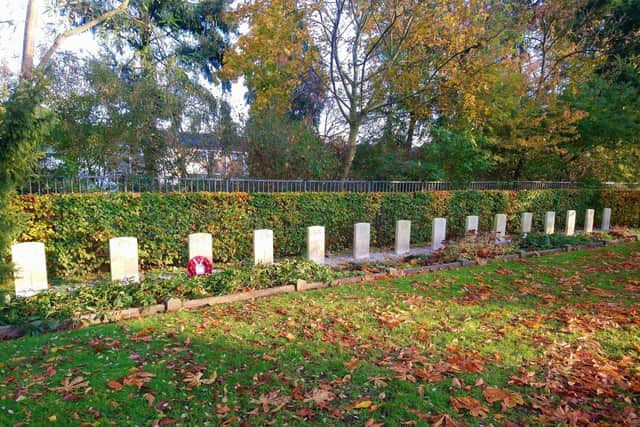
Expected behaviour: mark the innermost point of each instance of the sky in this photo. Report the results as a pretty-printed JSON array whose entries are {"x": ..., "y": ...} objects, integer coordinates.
[{"x": 11, "y": 37}]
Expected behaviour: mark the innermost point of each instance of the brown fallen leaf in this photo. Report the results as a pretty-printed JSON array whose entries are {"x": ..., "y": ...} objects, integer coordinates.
[
  {"x": 222, "y": 410},
  {"x": 470, "y": 404},
  {"x": 352, "y": 364},
  {"x": 138, "y": 378},
  {"x": 272, "y": 398},
  {"x": 321, "y": 396},
  {"x": 444, "y": 420},
  {"x": 115, "y": 385},
  {"x": 507, "y": 399},
  {"x": 305, "y": 413},
  {"x": 493, "y": 394},
  {"x": 150, "y": 398},
  {"x": 70, "y": 385}
]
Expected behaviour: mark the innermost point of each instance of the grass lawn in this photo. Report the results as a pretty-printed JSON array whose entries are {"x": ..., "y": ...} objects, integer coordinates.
[{"x": 554, "y": 340}]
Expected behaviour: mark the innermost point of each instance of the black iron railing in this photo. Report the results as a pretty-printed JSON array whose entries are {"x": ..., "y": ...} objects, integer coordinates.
[{"x": 139, "y": 184}]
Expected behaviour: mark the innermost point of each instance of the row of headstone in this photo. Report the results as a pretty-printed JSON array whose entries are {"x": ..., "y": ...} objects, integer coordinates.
[
  {"x": 31, "y": 267},
  {"x": 570, "y": 224},
  {"x": 263, "y": 239}
]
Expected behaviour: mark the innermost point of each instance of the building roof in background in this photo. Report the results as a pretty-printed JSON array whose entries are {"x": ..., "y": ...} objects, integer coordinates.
[{"x": 199, "y": 140}]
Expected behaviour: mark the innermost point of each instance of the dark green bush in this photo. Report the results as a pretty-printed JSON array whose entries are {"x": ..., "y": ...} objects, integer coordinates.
[
  {"x": 541, "y": 241},
  {"x": 24, "y": 123}
]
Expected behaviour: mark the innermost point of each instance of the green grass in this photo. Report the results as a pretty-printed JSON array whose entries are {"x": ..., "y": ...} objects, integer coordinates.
[{"x": 385, "y": 352}]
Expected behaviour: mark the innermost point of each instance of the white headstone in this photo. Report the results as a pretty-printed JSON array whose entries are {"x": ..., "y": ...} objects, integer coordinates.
[
  {"x": 570, "y": 229},
  {"x": 124, "y": 259},
  {"x": 315, "y": 244},
  {"x": 588, "y": 221},
  {"x": 606, "y": 219},
  {"x": 30, "y": 262},
  {"x": 403, "y": 237},
  {"x": 500, "y": 226},
  {"x": 201, "y": 244},
  {"x": 549, "y": 222},
  {"x": 471, "y": 224},
  {"x": 526, "y": 220},
  {"x": 262, "y": 247},
  {"x": 438, "y": 233},
  {"x": 361, "y": 240}
]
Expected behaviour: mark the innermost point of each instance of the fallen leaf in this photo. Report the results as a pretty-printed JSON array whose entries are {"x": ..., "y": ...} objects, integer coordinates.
[
  {"x": 352, "y": 364},
  {"x": 115, "y": 385},
  {"x": 363, "y": 404},
  {"x": 470, "y": 404},
  {"x": 70, "y": 385},
  {"x": 321, "y": 396},
  {"x": 150, "y": 398},
  {"x": 508, "y": 399}
]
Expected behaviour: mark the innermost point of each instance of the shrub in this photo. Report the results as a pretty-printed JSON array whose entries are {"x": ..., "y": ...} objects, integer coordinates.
[
  {"x": 282, "y": 148},
  {"x": 103, "y": 296},
  {"x": 23, "y": 125},
  {"x": 477, "y": 246},
  {"x": 541, "y": 241},
  {"x": 76, "y": 228}
]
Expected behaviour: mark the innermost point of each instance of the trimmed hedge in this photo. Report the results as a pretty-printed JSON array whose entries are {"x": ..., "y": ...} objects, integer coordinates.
[{"x": 76, "y": 228}]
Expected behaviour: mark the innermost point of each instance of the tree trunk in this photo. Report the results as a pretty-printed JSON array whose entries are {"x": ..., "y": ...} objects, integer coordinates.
[
  {"x": 354, "y": 127},
  {"x": 411, "y": 130},
  {"x": 29, "y": 42},
  {"x": 517, "y": 173},
  {"x": 149, "y": 152},
  {"x": 150, "y": 140}
]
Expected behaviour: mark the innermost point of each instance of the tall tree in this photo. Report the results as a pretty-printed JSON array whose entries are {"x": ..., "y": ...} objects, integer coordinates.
[
  {"x": 155, "y": 35},
  {"x": 102, "y": 108},
  {"x": 371, "y": 46},
  {"x": 612, "y": 27},
  {"x": 77, "y": 27},
  {"x": 277, "y": 58}
]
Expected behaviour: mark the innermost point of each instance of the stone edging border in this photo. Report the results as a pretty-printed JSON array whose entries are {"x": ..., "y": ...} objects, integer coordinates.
[{"x": 174, "y": 304}]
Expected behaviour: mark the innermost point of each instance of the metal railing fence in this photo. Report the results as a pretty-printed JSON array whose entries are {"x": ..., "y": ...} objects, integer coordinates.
[{"x": 139, "y": 184}]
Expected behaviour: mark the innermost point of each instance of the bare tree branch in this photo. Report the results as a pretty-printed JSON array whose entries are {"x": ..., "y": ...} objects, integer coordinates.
[{"x": 44, "y": 62}]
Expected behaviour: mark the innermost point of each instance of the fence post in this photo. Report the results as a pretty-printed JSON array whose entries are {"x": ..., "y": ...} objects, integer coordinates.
[{"x": 226, "y": 185}]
